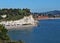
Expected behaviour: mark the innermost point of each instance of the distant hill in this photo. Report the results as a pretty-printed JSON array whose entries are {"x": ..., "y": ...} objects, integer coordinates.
[{"x": 55, "y": 12}]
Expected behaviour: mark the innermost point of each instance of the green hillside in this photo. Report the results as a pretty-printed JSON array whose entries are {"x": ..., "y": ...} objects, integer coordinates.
[{"x": 13, "y": 14}]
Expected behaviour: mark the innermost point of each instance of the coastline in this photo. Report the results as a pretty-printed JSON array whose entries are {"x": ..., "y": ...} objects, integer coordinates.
[
  {"x": 27, "y": 21},
  {"x": 26, "y": 26},
  {"x": 48, "y": 18},
  {"x": 19, "y": 27}
]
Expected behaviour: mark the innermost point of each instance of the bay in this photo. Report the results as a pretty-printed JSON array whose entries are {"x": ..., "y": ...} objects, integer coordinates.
[{"x": 47, "y": 31}]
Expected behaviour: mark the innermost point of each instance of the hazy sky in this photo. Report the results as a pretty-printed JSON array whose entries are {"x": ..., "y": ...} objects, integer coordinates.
[{"x": 34, "y": 5}]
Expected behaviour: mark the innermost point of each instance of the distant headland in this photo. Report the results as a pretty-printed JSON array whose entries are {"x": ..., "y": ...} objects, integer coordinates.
[{"x": 55, "y": 14}]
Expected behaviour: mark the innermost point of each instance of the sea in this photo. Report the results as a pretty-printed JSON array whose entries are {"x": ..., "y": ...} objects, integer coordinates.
[{"x": 47, "y": 31}]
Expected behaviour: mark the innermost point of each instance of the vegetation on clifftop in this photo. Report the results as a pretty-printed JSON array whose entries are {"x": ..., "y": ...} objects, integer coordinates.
[{"x": 14, "y": 14}]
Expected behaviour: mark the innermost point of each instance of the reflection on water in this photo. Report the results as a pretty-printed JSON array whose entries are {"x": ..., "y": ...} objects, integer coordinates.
[{"x": 20, "y": 32}]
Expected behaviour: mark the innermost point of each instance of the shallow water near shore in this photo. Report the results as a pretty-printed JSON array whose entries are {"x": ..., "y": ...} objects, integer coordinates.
[{"x": 47, "y": 31}]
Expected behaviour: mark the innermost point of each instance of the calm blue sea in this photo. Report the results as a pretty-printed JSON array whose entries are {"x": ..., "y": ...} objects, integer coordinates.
[{"x": 47, "y": 31}]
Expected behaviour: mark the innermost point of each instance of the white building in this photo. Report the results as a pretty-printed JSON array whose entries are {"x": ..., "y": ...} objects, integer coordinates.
[{"x": 3, "y": 16}]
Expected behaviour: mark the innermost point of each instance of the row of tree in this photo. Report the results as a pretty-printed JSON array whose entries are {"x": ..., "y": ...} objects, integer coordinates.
[{"x": 14, "y": 14}]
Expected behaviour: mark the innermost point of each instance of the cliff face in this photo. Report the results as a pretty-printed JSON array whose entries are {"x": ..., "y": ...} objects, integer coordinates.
[{"x": 25, "y": 20}]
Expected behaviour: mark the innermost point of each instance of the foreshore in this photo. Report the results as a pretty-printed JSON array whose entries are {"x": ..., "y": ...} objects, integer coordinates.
[{"x": 20, "y": 27}]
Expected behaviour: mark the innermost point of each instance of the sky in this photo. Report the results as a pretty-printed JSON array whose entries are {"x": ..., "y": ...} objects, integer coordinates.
[{"x": 33, "y": 5}]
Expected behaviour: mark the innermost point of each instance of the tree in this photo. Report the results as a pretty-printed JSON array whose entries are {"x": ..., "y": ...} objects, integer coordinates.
[
  {"x": 3, "y": 34},
  {"x": 14, "y": 14},
  {"x": 4, "y": 38}
]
